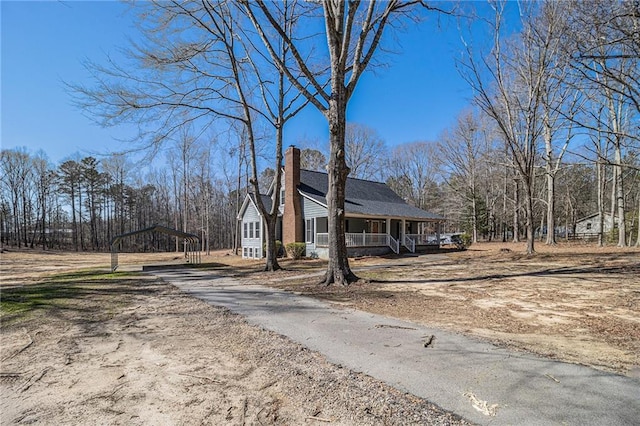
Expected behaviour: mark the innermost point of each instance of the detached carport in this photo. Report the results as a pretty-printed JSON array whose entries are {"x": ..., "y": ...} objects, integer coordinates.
[{"x": 192, "y": 243}]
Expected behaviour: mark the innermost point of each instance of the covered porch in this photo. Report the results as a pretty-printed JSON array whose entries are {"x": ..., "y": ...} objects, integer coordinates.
[{"x": 394, "y": 233}]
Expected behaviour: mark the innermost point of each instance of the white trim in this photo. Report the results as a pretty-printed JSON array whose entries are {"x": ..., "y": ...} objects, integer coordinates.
[
  {"x": 312, "y": 199},
  {"x": 313, "y": 230},
  {"x": 243, "y": 208}
]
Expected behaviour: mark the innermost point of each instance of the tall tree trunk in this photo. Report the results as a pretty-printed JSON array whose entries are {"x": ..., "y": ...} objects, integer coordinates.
[
  {"x": 619, "y": 197},
  {"x": 516, "y": 208},
  {"x": 338, "y": 270},
  {"x": 551, "y": 203},
  {"x": 504, "y": 206},
  {"x": 80, "y": 217},
  {"x": 528, "y": 187},
  {"x": 74, "y": 231},
  {"x": 551, "y": 182},
  {"x": 474, "y": 209},
  {"x": 272, "y": 216},
  {"x": 236, "y": 237},
  {"x": 638, "y": 229},
  {"x": 601, "y": 176},
  {"x": 43, "y": 219}
]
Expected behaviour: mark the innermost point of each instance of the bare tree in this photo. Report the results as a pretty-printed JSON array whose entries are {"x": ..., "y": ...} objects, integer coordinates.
[
  {"x": 44, "y": 178},
  {"x": 197, "y": 65},
  {"x": 16, "y": 168},
  {"x": 353, "y": 33},
  {"x": 460, "y": 151},
  {"x": 547, "y": 31},
  {"x": 509, "y": 84},
  {"x": 415, "y": 171},
  {"x": 312, "y": 159},
  {"x": 364, "y": 151},
  {"x": 69, "y": 183},
  {"x": 603, "y": 43}
]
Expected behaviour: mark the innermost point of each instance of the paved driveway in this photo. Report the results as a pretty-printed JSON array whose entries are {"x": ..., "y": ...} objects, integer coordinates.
[{"x": 479, "y": 381}]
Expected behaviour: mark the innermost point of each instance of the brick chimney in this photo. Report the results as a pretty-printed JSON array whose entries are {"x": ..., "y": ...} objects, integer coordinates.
[{"x": 292, "y": 226}]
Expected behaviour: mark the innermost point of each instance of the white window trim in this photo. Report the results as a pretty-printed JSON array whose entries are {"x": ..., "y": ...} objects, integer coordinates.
[{"x": 310, "y": 236}]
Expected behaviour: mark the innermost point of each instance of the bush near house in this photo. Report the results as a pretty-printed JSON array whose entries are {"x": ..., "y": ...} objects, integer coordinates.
[
  {"x": 279, "y": 249},
  {"x": 462, "y": 241},
  {"x": 296, "y": 250}
]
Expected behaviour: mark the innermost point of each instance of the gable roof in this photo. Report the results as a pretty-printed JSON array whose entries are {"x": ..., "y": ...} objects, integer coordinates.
[
  {"x": 251, "y": 198},
  {"x": 363, "y": 197},
  {"x": 606, "y": 216}
]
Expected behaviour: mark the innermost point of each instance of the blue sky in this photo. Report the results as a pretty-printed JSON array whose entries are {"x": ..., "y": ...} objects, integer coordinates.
[{"x": 414, "y": 98}]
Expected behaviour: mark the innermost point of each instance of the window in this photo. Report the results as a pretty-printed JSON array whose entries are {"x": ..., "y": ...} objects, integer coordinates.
[
  {"x": 250, "y": 252},
  {"x": 588, "y": 226},
  {"x": 244, "y": 251},
  {"x": 245, "y": 229},
  {"x": 257, "y": 229},
  {"x": 250, "y": 229},
  {"x": 282, "y": 197},
  {"x": 310, "y": 230}
]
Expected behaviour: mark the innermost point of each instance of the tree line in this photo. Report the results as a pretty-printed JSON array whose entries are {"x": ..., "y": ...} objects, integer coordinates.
[
  {"x": 465, "y": 175},
  {"x": 82, "y": 204}
]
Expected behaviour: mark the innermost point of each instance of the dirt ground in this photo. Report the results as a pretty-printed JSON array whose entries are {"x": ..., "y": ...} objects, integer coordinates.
[
  {"x": 81, "y": 345},
  {"x": 577, "y": 303}
]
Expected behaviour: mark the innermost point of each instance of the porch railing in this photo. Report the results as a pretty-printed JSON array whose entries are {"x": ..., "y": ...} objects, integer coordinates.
[
  {"x": 424, "y": 239},
  {"x": 409, "y": 243},
  {"x": 356, "y": 239},
  {"x": 394, "y": 244}
]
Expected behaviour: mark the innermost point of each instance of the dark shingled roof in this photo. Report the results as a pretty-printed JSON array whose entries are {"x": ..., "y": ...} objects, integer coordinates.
[
  {"x": 266, "y": 200},
  {"x": 363, "y": 197}
]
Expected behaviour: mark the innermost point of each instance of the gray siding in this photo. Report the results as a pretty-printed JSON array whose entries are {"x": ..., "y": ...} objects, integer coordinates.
[
  {"x": 311, "y": 210},
  {"x": 252, "y": 246},
  {"x": 591, "y": 225}
]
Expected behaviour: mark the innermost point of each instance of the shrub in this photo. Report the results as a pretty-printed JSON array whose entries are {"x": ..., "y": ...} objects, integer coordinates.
[
  {"x": 279, "y": 249},
  {"x": 296, "y": 250},
  {"x": 462, "y": 241}
]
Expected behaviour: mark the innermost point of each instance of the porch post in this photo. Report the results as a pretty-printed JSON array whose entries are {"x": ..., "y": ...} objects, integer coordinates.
[
  {"x": 388, "y": 226},
  {"x": 403, "y": 229}
]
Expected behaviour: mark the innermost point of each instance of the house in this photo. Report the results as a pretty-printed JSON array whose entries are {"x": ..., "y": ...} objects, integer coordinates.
[
  {"x": 591, "y": 224},
  {"x": 377, "y": 220}
]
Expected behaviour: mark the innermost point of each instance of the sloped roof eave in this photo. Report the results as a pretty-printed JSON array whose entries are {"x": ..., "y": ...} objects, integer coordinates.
[
  {"x": 311, "y": 198},
  {"x": 243, "y": 208},
  {"x": 249, "y": 198}
]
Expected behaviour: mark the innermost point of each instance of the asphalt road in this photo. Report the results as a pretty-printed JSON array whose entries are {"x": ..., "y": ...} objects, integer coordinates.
[{"x": 477, "y": 380}]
